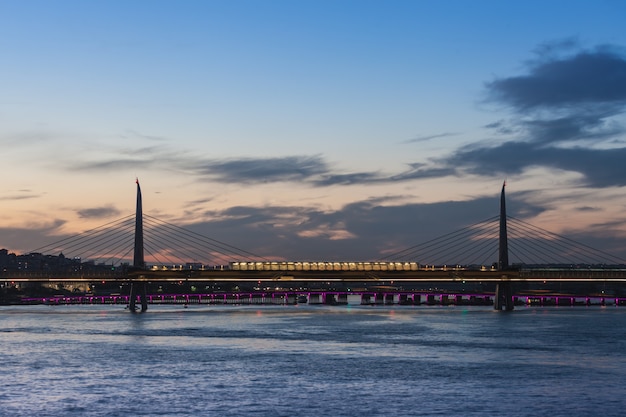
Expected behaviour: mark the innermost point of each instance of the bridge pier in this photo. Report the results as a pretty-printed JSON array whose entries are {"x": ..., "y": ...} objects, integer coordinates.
[
  {"x": 137, "y": 291},
  {"x": 314, "y": 299},
  {"x": 504, "y": 297}
]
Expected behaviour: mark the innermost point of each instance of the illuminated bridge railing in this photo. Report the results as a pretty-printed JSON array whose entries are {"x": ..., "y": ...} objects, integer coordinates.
[{"x": 413, "y": 298}]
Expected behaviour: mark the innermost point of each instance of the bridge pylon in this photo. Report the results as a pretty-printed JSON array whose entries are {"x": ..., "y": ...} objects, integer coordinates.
[
  {"x": 138, "y": 287},
  {"x": 504, "y": 289}
]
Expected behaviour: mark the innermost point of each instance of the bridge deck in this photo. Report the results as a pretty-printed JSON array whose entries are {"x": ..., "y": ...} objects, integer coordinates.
[{"x": 425, "y": 275}]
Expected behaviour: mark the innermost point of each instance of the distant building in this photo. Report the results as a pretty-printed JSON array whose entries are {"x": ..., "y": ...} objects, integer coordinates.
[{"x": 37, "y": 264}]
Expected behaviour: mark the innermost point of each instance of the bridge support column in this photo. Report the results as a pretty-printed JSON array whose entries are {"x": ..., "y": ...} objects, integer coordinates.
[
  {"x": 504, "y": 290},
  {"x": 138, "y": 289},
  {"x": 342, "y": 298},
  {"x": 504, "y": 297},
  {"x": 137, "y": 293}
]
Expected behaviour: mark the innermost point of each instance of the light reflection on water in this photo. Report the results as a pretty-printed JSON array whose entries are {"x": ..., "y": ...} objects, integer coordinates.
[{"x": 311, "y": 360}]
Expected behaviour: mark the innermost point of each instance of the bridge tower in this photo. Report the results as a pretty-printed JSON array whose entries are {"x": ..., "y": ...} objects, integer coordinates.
[
  {"x": 504, "y": 290},
  {"x": 138, "y": 287}
]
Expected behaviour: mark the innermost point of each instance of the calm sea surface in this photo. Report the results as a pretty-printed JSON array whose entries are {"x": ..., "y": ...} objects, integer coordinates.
[{"x": 312, "y": 361}]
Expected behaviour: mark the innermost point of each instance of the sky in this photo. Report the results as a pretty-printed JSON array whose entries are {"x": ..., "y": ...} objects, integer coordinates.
[{"x": 313, "y": 130}]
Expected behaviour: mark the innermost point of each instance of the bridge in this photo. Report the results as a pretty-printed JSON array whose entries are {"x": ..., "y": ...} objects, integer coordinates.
[{"x": 400, "y": 270}]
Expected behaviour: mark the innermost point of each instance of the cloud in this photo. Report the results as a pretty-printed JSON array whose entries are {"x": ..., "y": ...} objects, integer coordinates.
[
  {"x": 98, "y": 212},
  {"x": 588, "y": 209},
  {"x": 25, "y": 195},
  {"x": 429, "y": 137},
  {"x": 423, "y": 171},
  {"x": 133, "y": 134},
  {"x": 600, "y": 167},
  {"x": 589, "y": 126},
  {"x": 595, "y": 77},
  {"x": 502, "y": 127},
  {"x": 348, "y": 179},
  {"x": 124, "y": 158},
  {"x": 295, "y": 168},
  {"x": 260, "y": 170},
  {"x": 553, "y": 48},
  {"x": 313, "y": 171}
]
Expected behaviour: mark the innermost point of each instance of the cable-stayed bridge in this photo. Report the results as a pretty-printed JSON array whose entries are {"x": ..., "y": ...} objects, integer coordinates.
[
  {"x": 502, "y": 249},
  {"x": 168, "y": 246}
]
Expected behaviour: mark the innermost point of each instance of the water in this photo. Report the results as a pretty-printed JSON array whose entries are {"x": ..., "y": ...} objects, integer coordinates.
[{"x": 312, "y": 361}]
